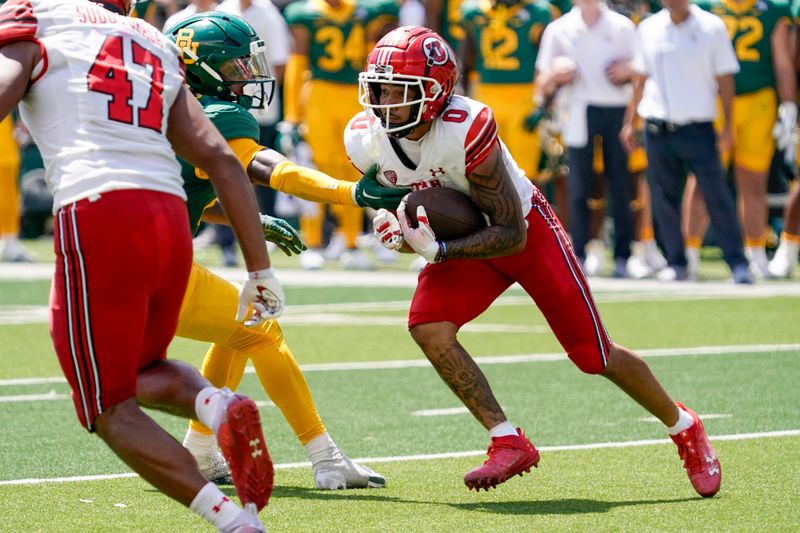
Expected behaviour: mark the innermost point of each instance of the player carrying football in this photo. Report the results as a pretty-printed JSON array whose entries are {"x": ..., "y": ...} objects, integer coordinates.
[
  {"x": 422, "y": 135},
  {"x": 226, "y": 67}
]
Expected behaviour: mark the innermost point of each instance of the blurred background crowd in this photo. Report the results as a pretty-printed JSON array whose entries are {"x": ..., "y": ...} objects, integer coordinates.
[{"x": 560, "y": 79}]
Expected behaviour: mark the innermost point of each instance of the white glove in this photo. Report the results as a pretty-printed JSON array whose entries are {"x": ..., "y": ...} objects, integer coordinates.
[
  {"x": 785, "y": 127},
  {"x": 264, "y": 292},
  {"x": 421, "y": 239},
  {"x": 387, "y": 230}
]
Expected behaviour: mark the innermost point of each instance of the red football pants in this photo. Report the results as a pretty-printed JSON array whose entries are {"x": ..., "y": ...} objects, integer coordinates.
[
  {"x": 122, "y": 265},
  {"x": 459, "y": 290}
]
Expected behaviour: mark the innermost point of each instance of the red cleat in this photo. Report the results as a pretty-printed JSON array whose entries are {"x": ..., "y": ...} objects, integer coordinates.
[
  {"x": 508, "y": 456},
  {"x": 242, "y": 443},
  {"x": 698, "y": 456}
]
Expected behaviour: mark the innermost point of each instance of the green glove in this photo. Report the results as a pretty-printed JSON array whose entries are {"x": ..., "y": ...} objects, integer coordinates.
[
  {"x": 369, "y": 193},
  {"x": 280, "y": 232},
  {"x": 533, "y": 119}
]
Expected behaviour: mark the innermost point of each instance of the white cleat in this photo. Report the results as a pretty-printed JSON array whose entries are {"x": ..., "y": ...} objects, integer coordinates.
[
  {"x": 12, "y": 251},
  {"x": 312, "y": 260},
  {"x": 246, "y": 522},
  {"x": 336, "y": 247},
  {"x": 214, "y": 468},
  {"x": 333, "y": 470},
  {"x": 595, "y": 261},
  {"x": 784, "y": 261},
  {"x": 759, "y": 265},
  {"x": 637, "y": 268},
  {"x": 653, "y": 256},
  {"x": 209, "y": 459},
  {"x": 356, "y": 260},
  {"x": 342, "y": 473}
]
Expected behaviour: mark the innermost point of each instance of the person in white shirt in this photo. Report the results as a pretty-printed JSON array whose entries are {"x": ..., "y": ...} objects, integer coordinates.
[
  {"x": 589, "y": 49},
  {"x": 685, "y": 60},
  {"x": 194, "y": 7}
]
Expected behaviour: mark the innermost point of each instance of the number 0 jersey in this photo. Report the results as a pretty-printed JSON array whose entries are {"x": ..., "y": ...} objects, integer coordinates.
[
  {"x": 750, "y": 24},
  {"x": 458, "y": 141},
  {"x": 99, "y": 98}
]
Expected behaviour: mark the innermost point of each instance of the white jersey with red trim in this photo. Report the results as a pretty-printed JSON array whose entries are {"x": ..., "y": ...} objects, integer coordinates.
[
  {"x": 99, "y": 99},
  {"x": 459, "y": 139}
]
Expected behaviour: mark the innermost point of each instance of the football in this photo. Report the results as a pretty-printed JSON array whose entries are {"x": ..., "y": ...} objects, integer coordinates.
[{"x": 451, "y": 213}]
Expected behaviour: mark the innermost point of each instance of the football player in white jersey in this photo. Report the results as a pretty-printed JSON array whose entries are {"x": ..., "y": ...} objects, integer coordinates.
[
  {"x": 103, "y": 97},
  {"x": 422, "y": 135}
]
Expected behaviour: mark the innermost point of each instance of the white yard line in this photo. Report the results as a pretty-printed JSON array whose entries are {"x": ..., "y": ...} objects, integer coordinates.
[
  {"x": 335, "y": 313},
  {"x": 292, "y": 277},
  {"x": 489, "y": 360},
  {"x": 34, "y": 397},
  {"x": 441, "y": 412},
  {"x": 704, "y": 417},
  {"x": 448, "y": 455}
]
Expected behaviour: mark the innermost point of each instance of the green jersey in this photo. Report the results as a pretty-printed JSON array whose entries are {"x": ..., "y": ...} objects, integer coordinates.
[
  {"x": 450, "y": 27},
  {"x": 560, "y": 7},
  {"x": 507, "y": 38},
  {"x": 339, "y": 36},
  {"x": 750, "y": 25},
  {"x": 233, "y": 122}
]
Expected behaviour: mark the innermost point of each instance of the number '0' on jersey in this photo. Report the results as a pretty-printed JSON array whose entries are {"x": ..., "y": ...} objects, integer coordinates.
[
  {"x": 459, "y": 139},
  {"x": 100, "y": 97}
]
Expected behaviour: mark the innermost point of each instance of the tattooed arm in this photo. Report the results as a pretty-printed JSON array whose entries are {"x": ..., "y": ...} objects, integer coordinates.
[{"x": 492, "y": 189}]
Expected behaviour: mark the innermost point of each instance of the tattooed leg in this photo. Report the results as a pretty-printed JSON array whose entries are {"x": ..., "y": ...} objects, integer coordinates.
[{"x": 459, "y": 371}]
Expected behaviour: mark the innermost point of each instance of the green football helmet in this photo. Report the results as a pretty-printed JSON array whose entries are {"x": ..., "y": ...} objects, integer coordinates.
[{"x": 225, "y": 58}]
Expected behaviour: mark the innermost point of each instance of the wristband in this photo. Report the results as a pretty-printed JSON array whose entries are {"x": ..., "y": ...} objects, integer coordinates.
[
  {"x": 442, "y": 252},
  {"x": 262, "y": 274}
]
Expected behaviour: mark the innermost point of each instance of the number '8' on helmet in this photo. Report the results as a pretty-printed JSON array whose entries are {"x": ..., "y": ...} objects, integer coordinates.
[
  {"x": 224, "y": 57},
  {"x": 421, "y": 62}
]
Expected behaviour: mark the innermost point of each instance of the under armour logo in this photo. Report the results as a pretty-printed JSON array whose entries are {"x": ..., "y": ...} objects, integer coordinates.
[
  {"x": 217, "y": 508},
  {"x": 713, "y": 469},
  {"x": 436, "y": 172},
  {"x": 255, "y": 445}
]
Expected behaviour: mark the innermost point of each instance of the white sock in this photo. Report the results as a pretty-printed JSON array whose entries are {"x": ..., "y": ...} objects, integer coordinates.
[
  {"x": 320, "y": 448},
  {"x": 684, "y": 422},
  {"x": 210, "y": 406},
  {"x": 503, "y": 429},
  {"x": 211, "y": 504},
  {"x": 199, "y": 443}
]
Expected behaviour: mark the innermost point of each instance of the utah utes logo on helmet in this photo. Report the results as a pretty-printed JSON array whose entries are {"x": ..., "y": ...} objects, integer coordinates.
[{"x": 435, "y": 50}]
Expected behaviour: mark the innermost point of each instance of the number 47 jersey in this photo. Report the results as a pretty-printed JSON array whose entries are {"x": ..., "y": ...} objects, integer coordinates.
[{"x": 99, "y": 98}]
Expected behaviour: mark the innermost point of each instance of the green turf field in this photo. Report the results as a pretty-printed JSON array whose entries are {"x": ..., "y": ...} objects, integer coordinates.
[{"x": 733, "y": 357}]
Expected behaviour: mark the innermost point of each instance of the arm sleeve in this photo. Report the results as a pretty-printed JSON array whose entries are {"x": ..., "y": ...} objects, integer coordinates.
[
  {"x": 245, "y": 150},
  {"x": 310, "y": 184},
  {"x": 293, "y": 86}
]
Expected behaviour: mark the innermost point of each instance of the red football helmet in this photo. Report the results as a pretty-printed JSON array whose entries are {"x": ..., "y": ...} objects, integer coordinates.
[{"x": 417, "y": 59}]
